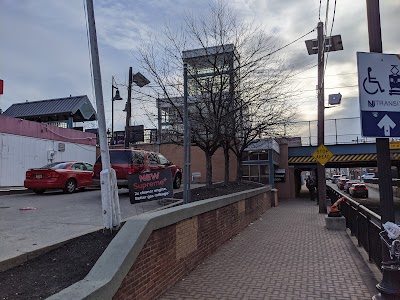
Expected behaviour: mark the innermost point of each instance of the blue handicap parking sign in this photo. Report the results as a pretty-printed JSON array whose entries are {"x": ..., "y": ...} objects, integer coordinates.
[{"x": 379, "y": 90}]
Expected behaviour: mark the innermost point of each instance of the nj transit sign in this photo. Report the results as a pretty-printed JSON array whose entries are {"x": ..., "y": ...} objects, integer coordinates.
[{"x": 379, "y": 91}]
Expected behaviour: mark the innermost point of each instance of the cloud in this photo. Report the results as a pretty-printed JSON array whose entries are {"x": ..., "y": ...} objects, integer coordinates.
[{"x": 45, "y": 49}]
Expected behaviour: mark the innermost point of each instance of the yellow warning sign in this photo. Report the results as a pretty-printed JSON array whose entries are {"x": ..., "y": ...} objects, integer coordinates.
[
  {"x": 394, "y": 145},
  {"x": 322, "y": 154}
]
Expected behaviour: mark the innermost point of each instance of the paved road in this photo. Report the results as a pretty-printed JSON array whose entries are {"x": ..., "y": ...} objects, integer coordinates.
[
  {"x": 56, "y": 217},
  {"x": 373, "y": 199}
]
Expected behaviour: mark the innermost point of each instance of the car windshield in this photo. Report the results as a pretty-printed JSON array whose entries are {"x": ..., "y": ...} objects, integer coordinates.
[{"x": 56, "y": 165}]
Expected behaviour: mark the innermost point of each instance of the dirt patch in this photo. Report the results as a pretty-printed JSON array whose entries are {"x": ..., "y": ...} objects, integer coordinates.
[{"x": 52, "y": 272}]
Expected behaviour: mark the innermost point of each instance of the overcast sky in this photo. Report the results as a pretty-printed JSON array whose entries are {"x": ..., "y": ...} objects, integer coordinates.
[{"x": 44, "y": 48}]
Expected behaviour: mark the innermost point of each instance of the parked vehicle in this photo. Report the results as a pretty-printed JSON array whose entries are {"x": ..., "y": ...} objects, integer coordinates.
[
  {"x": 69, "y": 176},
  {"x": 358, "y": 190},
  {"x": 348, "y": 184},
  {"x": 341, "y": 182},
  {"x": 134, "y": 161}
]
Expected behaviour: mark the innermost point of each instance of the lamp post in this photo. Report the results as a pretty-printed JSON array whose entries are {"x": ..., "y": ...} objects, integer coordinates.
[
  {"x": 319, "y": 46},
  {"x": 113, "y": 98},
  {"x": 140, "y": 81}
]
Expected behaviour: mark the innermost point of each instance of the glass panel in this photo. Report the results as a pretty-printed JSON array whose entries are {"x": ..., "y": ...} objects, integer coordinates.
[
  {"x": 264, "y": 170},
  {"x": 163, "y": 160},
  {"x": 120, "y": 157},
  {"x": 264, "y": 179},
  {"x": 138, "y": 158},
  {"x": 153, "y": 159},
  {"x": 253, "y": 156},
  {"x": 263, "y": 156},
  {"x": 56, "y": 165},
  {"x": 254, "y": 170},
  {"x": 245, "y": 170}
]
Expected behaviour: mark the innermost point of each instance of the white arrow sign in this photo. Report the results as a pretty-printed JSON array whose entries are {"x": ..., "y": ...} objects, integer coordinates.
[{"x": 386, "y": 123}]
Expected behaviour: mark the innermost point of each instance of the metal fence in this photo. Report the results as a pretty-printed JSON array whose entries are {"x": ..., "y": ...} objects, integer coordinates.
[
  {"x": 337, "y": 131},
  {"x": 363, "y": 223}
]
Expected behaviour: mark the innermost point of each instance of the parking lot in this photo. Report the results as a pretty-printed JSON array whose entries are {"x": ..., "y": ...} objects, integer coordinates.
[{"x": 29, "y": 222}]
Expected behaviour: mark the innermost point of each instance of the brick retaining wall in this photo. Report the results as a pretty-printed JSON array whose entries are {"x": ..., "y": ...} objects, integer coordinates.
[{"x": 167, "y": 245}]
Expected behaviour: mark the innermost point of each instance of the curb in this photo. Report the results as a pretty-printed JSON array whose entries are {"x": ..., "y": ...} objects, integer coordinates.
[
  {"x": 20, "y": 259},
  {"x": 12, "y": 191}
]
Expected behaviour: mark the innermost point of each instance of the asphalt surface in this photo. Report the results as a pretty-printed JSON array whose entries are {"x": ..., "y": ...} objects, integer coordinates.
[{"x": 30, "y": 222}]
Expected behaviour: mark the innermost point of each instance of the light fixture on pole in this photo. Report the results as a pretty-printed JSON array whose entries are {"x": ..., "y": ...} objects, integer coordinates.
[
  {"x": 113, "y": 98},
  {"x": 319, "y": 46},
  {"x": 140, "y": 81}
]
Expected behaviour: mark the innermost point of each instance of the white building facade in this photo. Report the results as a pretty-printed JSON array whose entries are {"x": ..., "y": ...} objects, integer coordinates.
[{"x": 26, "y": 144}]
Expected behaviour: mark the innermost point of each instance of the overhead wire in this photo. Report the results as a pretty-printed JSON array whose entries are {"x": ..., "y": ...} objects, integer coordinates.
[
  {"x": 330, "y": 34},
  {"x": 319, "y": 12}
]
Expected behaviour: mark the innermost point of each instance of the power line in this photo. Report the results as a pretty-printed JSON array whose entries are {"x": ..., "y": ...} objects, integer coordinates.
[
  {"x": 339, "y": 74},
  {"x": 333, "y": 21},
  {"x": 334, "y": 87},
  {"x": 333, "y": 18},
  {"x": 319, "y": 13},
  {"x": 292, "y": 42},
  {"x": 326, "y": 15}
]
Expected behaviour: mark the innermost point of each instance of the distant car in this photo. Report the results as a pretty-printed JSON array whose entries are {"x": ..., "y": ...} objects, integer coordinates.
[
  {"x": 348, "y": 184},
  {"x": 341, "y": 182},
  {"x": 335, "y": 177},
  {"x": 132, "y": 161},
  {"x": 358, "y": 190},
  {"x": 67, "y": 175},
  {"x": 368, "y": 176}
]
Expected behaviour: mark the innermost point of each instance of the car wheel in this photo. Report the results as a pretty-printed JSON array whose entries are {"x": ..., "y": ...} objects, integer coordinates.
[
  {"x": 70, "y": 186},
  {"x": 39, "y": 191},
  {"x": 177, "y": 181}
]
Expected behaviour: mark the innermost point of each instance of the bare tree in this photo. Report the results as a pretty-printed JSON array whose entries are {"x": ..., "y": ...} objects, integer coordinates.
[{"x": 238, "y": 86}]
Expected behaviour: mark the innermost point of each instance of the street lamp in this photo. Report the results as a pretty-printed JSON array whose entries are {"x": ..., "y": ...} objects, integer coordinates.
[
  {"x": 113, "y": 98},
  {"x": 140, "y": 81}
]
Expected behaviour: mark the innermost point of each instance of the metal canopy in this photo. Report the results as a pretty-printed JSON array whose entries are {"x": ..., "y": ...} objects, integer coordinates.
[{"x": 78, "y": 108}]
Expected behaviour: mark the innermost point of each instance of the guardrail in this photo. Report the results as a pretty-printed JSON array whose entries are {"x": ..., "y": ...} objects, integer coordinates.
[
  {"x": 363, "y": 223},
  {"x": 395, "y": 181}
]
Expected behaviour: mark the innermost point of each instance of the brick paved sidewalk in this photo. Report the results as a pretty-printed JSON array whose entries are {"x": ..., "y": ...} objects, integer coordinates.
[{"x": 286, "y": 254}]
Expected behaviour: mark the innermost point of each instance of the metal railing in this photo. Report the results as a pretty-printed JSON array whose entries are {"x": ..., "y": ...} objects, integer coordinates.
[{"x": 363, "y": 223}]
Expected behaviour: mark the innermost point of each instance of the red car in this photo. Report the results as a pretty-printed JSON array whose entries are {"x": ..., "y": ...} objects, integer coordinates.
[
  {"x": 69, "y": 176},
  {"x": 348, "y": 184},
  {"x": 134, "y": 161}
]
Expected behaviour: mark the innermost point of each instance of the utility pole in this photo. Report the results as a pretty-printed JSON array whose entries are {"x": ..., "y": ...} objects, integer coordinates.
[
  {"x": 109, "y": 191},
  {"x": 321, "y": 118},
  {"x": 389, "y": 287},
  {"x": 128, "y": 108},
  {"x": 319, "y": 46}
]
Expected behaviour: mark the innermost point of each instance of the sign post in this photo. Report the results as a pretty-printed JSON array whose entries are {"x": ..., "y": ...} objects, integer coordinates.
[{"x": 389, "y": 287}]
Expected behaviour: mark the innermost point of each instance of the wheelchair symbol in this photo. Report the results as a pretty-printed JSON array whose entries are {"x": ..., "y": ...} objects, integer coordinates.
[{"x": 371, "y": 83}]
